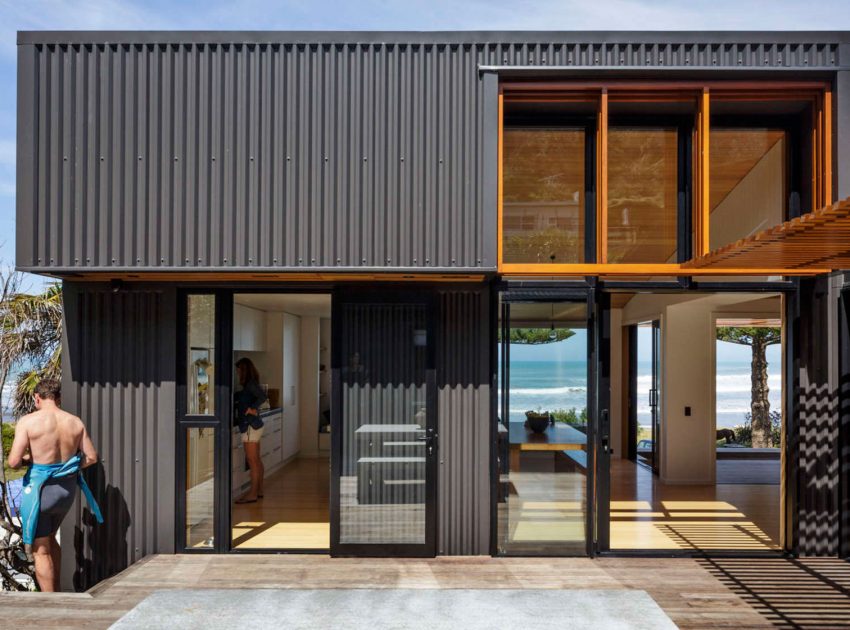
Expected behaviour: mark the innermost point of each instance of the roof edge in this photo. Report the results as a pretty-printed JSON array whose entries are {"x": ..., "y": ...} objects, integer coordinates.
[{"x": 431, "y": 37}]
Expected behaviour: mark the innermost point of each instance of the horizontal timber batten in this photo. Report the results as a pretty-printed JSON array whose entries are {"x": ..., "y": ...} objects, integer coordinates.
[
  {"x": 817, "y": 239},
  {"x": 611, "y": 269}
]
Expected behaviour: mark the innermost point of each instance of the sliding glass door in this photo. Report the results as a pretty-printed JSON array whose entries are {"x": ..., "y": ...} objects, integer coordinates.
[
  {"x": 545, "y": 426},
  {"x": 384, "y": 442}
]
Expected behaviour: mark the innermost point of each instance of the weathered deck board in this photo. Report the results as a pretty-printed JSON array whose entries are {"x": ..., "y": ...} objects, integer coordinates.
[{"x": 695, "y": 593}]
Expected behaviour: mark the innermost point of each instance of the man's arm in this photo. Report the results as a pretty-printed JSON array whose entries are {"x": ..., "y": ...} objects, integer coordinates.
[
  {"x": 89, "y": 452},
  {"x": 18, "y": 452}
]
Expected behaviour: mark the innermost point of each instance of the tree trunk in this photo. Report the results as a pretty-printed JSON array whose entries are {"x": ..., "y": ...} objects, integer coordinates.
[{"x": 759, "y": 404}]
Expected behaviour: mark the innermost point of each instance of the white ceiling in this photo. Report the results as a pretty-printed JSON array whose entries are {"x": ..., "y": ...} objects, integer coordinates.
[{"x": 307, "y": 304}]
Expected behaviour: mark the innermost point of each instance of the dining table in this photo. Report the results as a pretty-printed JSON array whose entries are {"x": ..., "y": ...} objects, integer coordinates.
[{"x": 558, "y": 436}]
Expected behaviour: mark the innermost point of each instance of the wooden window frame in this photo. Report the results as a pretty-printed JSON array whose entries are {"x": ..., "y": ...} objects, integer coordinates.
[{"x": 701, "y": 95}]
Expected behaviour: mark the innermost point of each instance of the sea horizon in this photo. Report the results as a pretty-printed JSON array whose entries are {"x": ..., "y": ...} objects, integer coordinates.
[{"x": 558, "y": 384}]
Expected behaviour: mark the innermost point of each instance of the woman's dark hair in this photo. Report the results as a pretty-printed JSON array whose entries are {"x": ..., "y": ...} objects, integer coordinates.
[{"x": 247, "y": 371}]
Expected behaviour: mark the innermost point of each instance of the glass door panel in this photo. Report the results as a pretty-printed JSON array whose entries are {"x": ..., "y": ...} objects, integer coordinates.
[
  {"x": 543, "y": 486},
  {"x": 387, "y": 435},
  {"x": 200, "y": 458},
  {"x": 200, "y": 487}
]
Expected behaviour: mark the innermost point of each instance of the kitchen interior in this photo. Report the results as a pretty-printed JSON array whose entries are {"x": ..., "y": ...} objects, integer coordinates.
[{"x": 287, "y": 337}]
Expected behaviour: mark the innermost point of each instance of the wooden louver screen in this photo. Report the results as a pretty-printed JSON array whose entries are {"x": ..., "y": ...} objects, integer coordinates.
[{"x": 817, "y": 240}]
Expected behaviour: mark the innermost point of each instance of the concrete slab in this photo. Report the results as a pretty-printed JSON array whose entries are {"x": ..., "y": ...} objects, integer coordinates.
[{"x": 373, "y": 609}]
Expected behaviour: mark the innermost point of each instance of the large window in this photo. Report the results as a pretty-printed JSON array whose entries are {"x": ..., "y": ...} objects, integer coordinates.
[
  {"x": 642, "y": 194},
  {"x": 544, "y": 196},
  {"x": 640, "y": 179}
]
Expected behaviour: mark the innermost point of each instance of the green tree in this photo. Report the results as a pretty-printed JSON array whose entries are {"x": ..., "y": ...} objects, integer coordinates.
[
  {"x": 30, "y": 349},
  {"x": 535, "y": 336},
  {"x": 758, "y": 338},
  {"x": 31, "y": 336}
]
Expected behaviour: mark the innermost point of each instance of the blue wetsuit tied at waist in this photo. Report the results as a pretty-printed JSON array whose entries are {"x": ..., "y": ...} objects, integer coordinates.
[{"x": 34, "y": 480}]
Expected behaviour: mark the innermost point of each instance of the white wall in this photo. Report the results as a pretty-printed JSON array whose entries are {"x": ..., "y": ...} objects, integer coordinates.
[
  {"x": 687, "y": 443},
  {"x": 291, "y": 394},
  {"x": 309, "y": 387},
  {"x": 754, "y": 204}
]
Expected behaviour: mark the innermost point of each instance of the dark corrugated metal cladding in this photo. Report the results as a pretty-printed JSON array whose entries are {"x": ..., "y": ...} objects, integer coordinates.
[
  {"x": 118, "y": 376},
  {"x": 815, "y": 450},
  {"x": 463, "y": 373},
  {"x": 291, "y": 156}
]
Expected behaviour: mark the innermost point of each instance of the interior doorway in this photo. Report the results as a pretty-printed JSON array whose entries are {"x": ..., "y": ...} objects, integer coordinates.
[
  {"x": 286, "y": 337},
  {"x": 644, "y": 394},
  {"x": 686, "y": 476}
]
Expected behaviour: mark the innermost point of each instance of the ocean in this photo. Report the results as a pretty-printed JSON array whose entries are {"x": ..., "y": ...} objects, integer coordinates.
[{"x": 563, "y": 385}]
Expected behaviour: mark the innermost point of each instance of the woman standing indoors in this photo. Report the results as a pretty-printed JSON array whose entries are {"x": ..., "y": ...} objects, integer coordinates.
[{"x": 248, "y": 401}]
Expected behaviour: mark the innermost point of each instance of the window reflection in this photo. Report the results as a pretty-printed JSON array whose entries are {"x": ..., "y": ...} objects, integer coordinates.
[
  {"x": 200, "y": 487},
  {"x": 642, "y": 195},
  {"x": 543, "y": 201},
  {"x": 201, "y": 355}
]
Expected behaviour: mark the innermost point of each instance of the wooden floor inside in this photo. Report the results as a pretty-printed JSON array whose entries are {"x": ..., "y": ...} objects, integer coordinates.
[
  {"x": 650, "y": 515},
  {"x": 294, "y": 513},
  {"x": 695, "y": 593}
]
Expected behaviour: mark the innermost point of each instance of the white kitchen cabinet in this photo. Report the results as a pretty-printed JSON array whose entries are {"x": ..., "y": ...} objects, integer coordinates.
[
  {"x": 249, "y": 329},
  {"x": 291, "y": 435}
]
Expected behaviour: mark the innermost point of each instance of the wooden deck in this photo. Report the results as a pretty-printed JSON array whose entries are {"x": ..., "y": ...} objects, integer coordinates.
[{"x": 695, "y": 593}]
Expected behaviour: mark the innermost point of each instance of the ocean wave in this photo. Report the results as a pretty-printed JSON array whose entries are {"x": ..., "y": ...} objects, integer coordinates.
[{"x": 544, "y": 391}]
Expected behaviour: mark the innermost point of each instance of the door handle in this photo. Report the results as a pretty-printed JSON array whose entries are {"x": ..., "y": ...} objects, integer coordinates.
[
  {"x": 604, "y": 429},
  {"x": 429, "y": 438}
]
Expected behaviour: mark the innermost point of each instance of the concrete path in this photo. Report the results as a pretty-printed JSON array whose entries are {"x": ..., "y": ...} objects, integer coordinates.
[{"x": 378, "y": 609}]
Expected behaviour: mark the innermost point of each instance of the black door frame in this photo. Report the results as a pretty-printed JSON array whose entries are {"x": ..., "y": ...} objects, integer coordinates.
[
  {"x": 220, "y": 421},
  {"x": 395, "y": 295},
  {"x": 598, "y": 379}
]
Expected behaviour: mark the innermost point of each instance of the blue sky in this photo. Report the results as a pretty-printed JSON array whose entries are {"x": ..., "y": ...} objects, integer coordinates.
[{"x": 372, "y": 15}]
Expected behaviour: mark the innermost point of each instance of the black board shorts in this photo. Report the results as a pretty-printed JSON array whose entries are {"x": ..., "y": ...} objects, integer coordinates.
[{"x": 57, "y": 496}]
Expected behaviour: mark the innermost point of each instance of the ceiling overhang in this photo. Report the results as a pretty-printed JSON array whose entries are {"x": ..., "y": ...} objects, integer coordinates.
[{"x": 817, "y": 240}]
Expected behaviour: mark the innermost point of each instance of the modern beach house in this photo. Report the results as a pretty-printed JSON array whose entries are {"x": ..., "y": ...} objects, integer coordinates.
[{"x": 466, "y": 266}]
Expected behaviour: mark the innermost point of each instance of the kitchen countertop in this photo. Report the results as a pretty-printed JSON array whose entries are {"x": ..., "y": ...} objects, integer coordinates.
[{"x": 269, "y": 412}]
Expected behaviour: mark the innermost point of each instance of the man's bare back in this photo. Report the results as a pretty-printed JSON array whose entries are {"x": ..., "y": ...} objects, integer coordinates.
[
  {"x": 51, "y": 435},
  {"x": 54, "y": 435}
]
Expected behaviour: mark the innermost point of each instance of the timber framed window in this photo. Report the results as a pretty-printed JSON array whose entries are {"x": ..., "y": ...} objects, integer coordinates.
[{"x": 626, "y": 178}]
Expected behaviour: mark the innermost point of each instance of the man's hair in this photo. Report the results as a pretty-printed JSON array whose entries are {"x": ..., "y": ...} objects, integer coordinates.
[{"x": 49, "y": 389}]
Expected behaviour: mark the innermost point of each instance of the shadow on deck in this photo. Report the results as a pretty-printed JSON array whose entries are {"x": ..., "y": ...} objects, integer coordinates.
[{"x": 789, "y": 592}]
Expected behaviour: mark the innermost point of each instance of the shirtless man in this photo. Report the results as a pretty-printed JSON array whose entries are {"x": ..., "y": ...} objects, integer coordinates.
[{"x": 50, "y": 436}]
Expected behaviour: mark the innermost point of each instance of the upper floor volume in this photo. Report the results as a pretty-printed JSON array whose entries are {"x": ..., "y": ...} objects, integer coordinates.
[{"x": 411, "y": 154}]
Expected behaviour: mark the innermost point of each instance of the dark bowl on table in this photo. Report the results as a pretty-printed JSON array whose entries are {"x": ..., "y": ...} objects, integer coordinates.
[{"x": 537, "y": 423}]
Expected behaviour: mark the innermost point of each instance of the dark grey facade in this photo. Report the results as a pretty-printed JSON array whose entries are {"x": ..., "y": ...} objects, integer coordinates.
[
  {"x": 118, "y": 373},
  {"x": 165, "y": 151},
  {"x": 204, "y": 153}
]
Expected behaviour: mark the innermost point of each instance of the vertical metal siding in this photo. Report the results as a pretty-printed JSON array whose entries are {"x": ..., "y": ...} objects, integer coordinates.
[
  {"x": 261, "y": 156},
  {"x": 118, "y": 376},
  {"x": 463, "y": 399},
  {"x": 212, "y": 155},
  {"x": 817, "y": 428}
]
